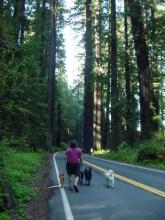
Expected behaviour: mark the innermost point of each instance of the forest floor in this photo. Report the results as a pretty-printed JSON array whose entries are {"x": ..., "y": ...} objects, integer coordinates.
[{"x": 37, "y": 208}]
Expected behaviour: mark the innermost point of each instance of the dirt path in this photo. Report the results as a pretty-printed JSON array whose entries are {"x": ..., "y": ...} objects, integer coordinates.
[{"x": 37, "y": 208}]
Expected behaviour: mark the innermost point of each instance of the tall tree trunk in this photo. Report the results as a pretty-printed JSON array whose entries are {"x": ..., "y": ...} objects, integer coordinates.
[
  {"x": 97, "y": 115},
  {"x": 88, "y": 81},
  {"x": 114, "y": 77},
  {"x": 1, "y": 31},
  {"x": 106, "y": 138},
  {"x": 22, "y": 20},
  {"x": 150, "y": 24},
  {"x": 98, "y": 78},
  {"x": 78, "y": 122},
  {"x": 155, "y": 73},
  {"x": 19, "y": 17},
  {"x": 129, "y": 105},
  {"x": 143, "y": 67},
  {"x": 43, "y": 41},
  {"x": 51, "y": 85},
  {"x": 162, "y": 97},
  {"x": 59, "y": 126},
  {"x": 1, "y": 8}
]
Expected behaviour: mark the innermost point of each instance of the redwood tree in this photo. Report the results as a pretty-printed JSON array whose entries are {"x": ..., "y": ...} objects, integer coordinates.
[
  {"x": 88, "y": 81},
  {"x": 51, "y": 85},
  {"x": 19, "y": 18},
  {"x": 114, "y": 78},
  {"x": 144, "y": 75},
  {"x": 98, "y": 78}
]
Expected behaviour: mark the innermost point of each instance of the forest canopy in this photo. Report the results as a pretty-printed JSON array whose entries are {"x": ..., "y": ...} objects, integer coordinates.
[{"x": 119, "y": 95}]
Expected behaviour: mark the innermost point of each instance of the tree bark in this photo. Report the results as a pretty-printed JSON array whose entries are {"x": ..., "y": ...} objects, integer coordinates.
[
  {"x": 2, "y": 40},
  {"x": 59, "y": 126},
  {"x": 88, "y": 81},
  {"x": 106, "y": 138},
  {"x": 51, "y": 85},
  {"x": 43, "y": 42},
  {"x": 129, "y": 96},
  {"x": 155, "y": 74},
  {"x": 1, "y": 8},
  {"x": 98, "y": 78},
  {"x": 144, "y": 75},
  {"x": 19, "y": 17},
  {"x": 114, "y": 78}
]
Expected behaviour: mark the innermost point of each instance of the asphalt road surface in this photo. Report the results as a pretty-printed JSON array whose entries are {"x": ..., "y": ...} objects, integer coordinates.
[{"x": 127, "y": 201}]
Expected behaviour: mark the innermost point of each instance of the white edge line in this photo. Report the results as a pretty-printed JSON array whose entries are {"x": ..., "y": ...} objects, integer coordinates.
[
  {"x": 67, "y": 208},
  {"x": 126, "y": 164}
]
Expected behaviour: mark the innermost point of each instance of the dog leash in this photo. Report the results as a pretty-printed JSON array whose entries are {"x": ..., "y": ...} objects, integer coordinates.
[{"x": 51, "y": 187}]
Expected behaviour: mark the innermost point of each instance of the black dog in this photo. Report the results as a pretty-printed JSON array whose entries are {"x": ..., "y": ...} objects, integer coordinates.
[{"x": 88, "y": 175}]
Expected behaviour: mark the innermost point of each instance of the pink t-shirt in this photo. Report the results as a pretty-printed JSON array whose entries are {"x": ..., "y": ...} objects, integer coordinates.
[{"x": 73, "y": 155}]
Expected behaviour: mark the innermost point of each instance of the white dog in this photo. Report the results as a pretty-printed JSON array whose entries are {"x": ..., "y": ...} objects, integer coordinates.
[{"x": 110, "y": 179}]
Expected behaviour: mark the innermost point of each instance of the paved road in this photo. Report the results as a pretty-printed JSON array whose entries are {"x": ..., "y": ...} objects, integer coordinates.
[{"x": 96, "y": 202}]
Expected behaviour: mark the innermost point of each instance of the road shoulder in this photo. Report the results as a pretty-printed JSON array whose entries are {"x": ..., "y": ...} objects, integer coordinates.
[{"x": 38, "y": 208}]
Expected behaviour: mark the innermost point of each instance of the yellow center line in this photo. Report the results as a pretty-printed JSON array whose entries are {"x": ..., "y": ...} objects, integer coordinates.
[{"x": 128, "y": 180}]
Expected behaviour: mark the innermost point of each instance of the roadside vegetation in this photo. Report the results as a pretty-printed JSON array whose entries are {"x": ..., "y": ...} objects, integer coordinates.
[
  {"x": 148, "y": 153},
  {"x": 19, "y": 169}
]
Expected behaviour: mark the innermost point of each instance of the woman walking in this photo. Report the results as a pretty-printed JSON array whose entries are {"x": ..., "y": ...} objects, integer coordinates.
[{"x": 73, "y": 156}]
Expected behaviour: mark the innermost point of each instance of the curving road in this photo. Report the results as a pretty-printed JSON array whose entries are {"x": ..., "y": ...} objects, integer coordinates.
[{"x": 96, "y": 202}]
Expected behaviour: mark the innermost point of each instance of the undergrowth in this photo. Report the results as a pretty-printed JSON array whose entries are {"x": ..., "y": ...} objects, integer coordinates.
[
  {"x": 20, "y": 168},
  {"x": 149, "y": 153}
]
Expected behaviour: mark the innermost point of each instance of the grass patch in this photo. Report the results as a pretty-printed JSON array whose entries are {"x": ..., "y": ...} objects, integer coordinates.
[{"x": 20, "y": 169}]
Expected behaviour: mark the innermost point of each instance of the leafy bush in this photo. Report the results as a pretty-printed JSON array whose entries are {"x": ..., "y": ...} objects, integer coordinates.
[
  {"x": 159, "y": 139},
  {"x": 161, "y": 154},
  {"x": 101, "y": 153},
  {"x": 23, "y": 192},
  {"x": 64, "y": 146},
  {"x": 153, "y": 149},
  {"x": 124, "y": 153},
  {"x": 4, "y": 216},
  {"x": 147, "y": 153},
  {"x": 19, "y": 142}
]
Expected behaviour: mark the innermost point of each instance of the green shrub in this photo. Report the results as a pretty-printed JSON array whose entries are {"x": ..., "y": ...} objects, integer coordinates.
[
  {"x": 153, "y": 149},
  {"x": 123, "y": 153},
  {"x": 23, "y": 192},
  {"x": 19, "y": 143},
  {"x": 161, "y": 154},
  {"x": 101, "y": 153},
  {"x": 4, "y": 216},
  {"x": 159, "y": 139},
  {"x": 20, "y": 168},
  {"x": 64, "y": 146},
  {"x": 127, "y": 154},
  {"x": 147, "y": 153}
]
